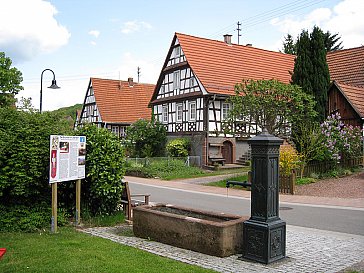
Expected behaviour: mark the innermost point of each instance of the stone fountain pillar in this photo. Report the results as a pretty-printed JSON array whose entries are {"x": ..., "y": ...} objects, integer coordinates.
[{"x": 264, "y": 233}]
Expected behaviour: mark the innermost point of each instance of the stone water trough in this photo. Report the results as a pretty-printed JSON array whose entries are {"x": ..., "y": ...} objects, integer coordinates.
[{"x": 216, "y": 234}]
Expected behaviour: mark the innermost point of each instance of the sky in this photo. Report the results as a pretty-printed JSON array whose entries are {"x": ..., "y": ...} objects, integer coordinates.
[{"x": 79, "y": 39}]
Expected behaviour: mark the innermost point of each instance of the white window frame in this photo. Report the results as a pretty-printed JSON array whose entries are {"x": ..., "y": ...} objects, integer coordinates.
[
  {"x": 225, "y": 108},
  {"x": 123, "y": 131},
  {"x": 192, "y": 110},
  {"x": 162, "y": 89},
  {"x": 165, "y": 113},
  {"x": 115, "y": 130},
  {"x": 176, "y": 80},
  {"x": 177, "y": 51},
  {"x": 179, "y": 112}
]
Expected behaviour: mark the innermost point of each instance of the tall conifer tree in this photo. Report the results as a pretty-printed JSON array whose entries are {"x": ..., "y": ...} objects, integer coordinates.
[
  {"x": 320, "y": 78},
  {"x": 303, "y": 65},
  {"x": 311, "y": 71}
]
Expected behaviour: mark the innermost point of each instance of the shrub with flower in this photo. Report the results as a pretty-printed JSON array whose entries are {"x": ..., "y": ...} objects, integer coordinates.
[
  {"x": 341, "y": 140},
  {"x": 288, "y": 159}
]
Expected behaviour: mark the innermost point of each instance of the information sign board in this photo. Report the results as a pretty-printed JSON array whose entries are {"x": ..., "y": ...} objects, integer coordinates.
[{"x": 67, "y": 158}]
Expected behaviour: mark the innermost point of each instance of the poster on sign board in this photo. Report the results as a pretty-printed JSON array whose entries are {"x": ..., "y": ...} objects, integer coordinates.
[{"x": 67, "y": 158}]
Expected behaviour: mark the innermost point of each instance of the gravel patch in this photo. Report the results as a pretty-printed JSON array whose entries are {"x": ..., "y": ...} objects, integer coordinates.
[{"x": 346, "y": 187}]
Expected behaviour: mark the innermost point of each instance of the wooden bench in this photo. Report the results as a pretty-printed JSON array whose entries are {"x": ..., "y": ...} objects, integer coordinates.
[
  {"x": 220, "y": 160},
  {"x": 128, "y": 203}
]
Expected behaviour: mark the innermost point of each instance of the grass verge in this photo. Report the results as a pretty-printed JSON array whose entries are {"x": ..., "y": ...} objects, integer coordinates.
[
  {"x": 173, "y": 169},
  {"x": 73, "y": 251},
  {"x": 222, "y": 183}
]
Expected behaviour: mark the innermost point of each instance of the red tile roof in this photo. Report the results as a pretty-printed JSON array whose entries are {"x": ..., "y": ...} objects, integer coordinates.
[
  {"x": 347, "y": 66},
  {"x": 119, "y": 103},
  {"x": 355, "y": 96},
  {"x": 219, "y": 66}
]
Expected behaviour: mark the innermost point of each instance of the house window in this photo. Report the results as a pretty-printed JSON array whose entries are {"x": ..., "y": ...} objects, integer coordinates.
[
  {"x": 177, "y": 51},
  {"x": 192, "y": 110},
  {"x": 176, "y": 80},
  {"x": 179, "y": 112},
  {"x": 225, "y": 110},
  {"x": 123, "y": 131},
  {"x": 162, "y": 89},
  {"x": 164, "y": 113},
  {"x": 115, "y": 130},
  {"x": 192, "y": 82}
]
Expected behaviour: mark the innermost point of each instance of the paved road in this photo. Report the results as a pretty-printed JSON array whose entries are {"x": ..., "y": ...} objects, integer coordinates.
[{"x": 340, "y": 219}]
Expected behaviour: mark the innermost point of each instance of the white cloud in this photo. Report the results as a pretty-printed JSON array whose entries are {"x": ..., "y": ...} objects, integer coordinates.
[
  {"x": 93, "y": 43},
  {"x": 346, "y": 18},
  {"x": 28, "y": 28},
  {"x": 134, "y": 26},
  {"x": 94, "y": 33}
]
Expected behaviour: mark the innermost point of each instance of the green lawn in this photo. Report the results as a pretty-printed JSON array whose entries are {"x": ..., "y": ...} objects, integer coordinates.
[
  {"x": 72, "y": 251},
  {"x": 222, "y": 183}
]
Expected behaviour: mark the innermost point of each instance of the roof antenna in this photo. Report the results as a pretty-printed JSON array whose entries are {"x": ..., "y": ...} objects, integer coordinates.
[
  {"x": 238, "y": 29},
  {"x": 138, "y": 73},
  {"x": 119, "y": 82}
]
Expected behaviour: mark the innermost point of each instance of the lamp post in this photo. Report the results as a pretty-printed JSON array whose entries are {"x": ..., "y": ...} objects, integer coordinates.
[{"x": 53, "y": 86}]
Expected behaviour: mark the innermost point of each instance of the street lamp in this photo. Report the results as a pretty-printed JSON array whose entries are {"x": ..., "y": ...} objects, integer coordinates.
[{"x": 53, "y": 86}]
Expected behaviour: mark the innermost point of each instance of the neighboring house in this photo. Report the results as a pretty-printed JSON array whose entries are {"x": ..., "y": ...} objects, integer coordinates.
[
  {"x": 197, "y": 77},
  {"x": 115, "y": 104},
  {"x": 346, "y": 93}
]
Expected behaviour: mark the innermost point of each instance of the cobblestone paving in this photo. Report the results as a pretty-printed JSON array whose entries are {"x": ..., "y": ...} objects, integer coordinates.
[{"x": 308, "y": 250}]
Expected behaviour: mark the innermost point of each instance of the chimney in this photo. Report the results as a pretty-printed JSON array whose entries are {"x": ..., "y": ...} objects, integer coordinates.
[
  {"x": 131, "y": 82},
  {"x": 227, "y": 39}
]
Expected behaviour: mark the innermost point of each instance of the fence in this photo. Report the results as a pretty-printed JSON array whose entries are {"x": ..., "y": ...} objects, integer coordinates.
[
  {"x": 189, "y": 161},
  {"x": 286, "y": 182},
  {"x": 323, "y": 167}
]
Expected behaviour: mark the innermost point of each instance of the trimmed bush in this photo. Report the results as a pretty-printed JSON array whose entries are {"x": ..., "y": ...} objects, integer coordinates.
[
  {"x": 24, "y": 155},
  {"x": 105, "y": 167},
  {"x": 179, "y": 147}
]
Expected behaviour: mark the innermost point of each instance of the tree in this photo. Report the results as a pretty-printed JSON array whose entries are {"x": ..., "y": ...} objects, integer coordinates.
[
  {"x": 271, "y": 104},
  {"x": 332, "y": 43},
  {"x": 320, "y": 79},
  {"x": 289, "y": 45},
  {"x": 308, "y": 141},
  {"x": 311, "y": 71},
  {"x": 303, "y": 70},
  {"x": 146, "y": 138},
  {"x": 10, "y": 80}
]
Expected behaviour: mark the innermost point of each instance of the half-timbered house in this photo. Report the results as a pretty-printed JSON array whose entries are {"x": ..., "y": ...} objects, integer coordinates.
[
  {"x": 197, "y": 77},
  {"x": 199, "y": 74},
  {"x": 346, "y": 93},
  {"x": 115, "y": 104}
]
